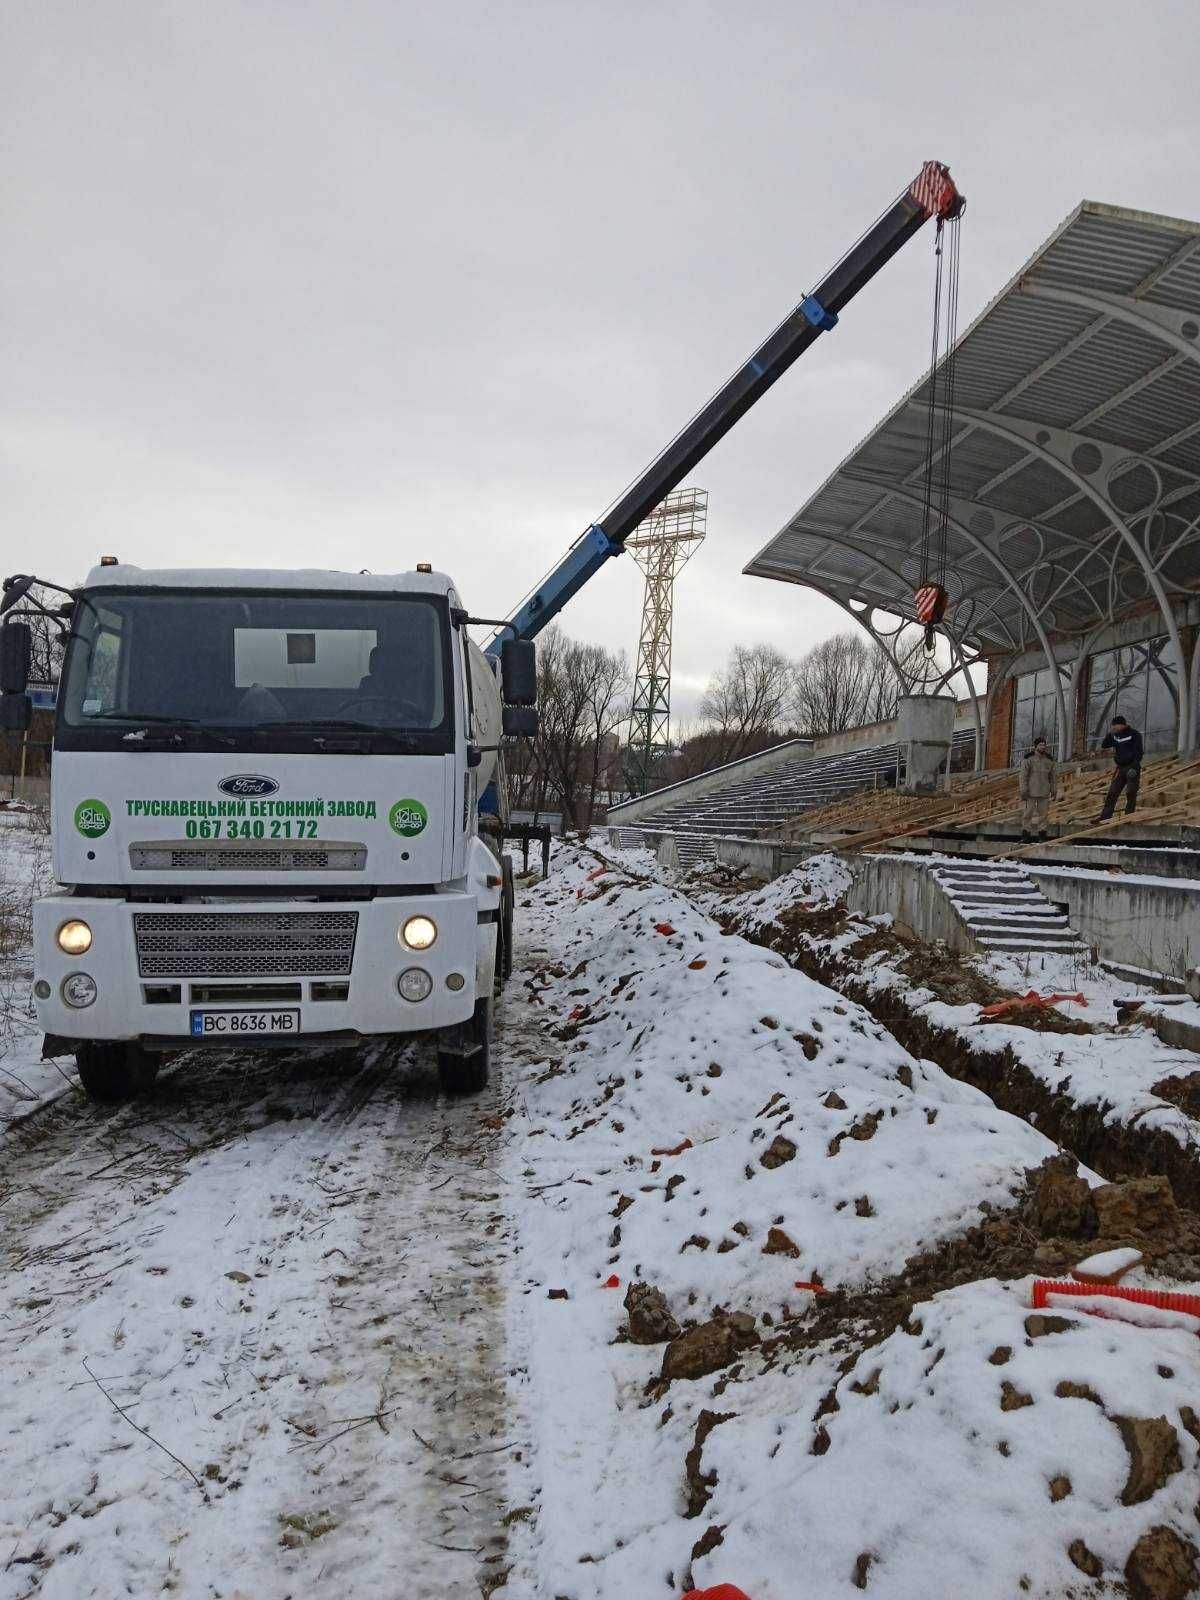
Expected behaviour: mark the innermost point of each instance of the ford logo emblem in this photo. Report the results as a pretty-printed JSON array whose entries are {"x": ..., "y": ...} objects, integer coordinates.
[{"x": 247, "y": 783}]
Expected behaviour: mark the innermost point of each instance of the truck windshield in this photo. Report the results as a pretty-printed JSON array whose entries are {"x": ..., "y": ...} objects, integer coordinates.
[{"x": 276, "y": 671}]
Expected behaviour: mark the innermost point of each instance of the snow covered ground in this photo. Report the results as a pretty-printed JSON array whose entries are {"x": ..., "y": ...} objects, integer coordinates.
[
  {"x": 289, "y": 1274},
  {"x": 297, "y": 1325},
  {"x": 1113, "y": 1069},
  {"x": 25, "y": 1079},
  {"x": 838, "y": 1444}
]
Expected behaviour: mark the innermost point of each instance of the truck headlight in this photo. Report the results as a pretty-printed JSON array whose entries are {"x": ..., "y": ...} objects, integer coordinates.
[
  {"x": 414, "y": 984},
  {"x": 418, "y": 933},
  {"x": 74, "y": 938},
  {"x": 79, "y": 990}
]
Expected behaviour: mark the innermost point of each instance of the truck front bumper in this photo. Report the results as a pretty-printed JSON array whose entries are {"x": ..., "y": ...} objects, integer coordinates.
[{"x": 338, "y": 964}]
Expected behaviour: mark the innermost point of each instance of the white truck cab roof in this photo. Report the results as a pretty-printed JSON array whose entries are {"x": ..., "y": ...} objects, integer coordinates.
[{"x": 122, "y": 575}]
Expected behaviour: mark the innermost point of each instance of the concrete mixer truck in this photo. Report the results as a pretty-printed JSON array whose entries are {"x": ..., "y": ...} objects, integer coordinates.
[
  {"x": 265, "y": 793},
  {"x": 266, "y": 785}
]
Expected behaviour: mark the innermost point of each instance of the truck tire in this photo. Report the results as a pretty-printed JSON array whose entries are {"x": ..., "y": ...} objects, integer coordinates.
[
  {"x": 114, "y": 1071},
  {"x": 467, "y": 1074}
]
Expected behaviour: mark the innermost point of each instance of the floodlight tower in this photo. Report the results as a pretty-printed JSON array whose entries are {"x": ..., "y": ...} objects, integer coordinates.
[{"x": 662, "y": 547}]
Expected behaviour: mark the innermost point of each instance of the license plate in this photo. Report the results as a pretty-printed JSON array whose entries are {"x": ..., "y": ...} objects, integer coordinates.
[{"x": 235, "y": 1024}]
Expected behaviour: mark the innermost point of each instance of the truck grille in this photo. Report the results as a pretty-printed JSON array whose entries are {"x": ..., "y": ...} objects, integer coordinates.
[
  {"x": 214, "y": 944},
  {"x": 247, "y": 858}
]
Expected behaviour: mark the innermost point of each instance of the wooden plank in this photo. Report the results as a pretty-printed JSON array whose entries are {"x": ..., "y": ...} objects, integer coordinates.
[{"x": 1153, "y": 814}]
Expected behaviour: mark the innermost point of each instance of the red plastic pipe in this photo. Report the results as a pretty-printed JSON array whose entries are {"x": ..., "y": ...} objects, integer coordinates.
[{"x": 1043, "y": 1288}]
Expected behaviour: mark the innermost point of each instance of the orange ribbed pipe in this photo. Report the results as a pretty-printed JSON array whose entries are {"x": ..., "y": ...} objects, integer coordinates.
[{"x": 1163, "y": 1299}]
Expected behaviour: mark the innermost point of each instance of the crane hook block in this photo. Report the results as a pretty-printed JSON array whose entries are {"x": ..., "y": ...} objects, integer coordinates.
[
  {"x": 817, "y": 314},
  {"x": 934, "y": 191}
]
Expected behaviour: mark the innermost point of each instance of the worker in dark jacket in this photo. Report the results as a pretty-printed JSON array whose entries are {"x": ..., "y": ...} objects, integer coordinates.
[{"x": 1125, "y": 742}]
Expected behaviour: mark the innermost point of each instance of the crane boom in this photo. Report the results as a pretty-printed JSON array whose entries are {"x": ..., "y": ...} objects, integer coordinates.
[{"x": 931, "y": 194}]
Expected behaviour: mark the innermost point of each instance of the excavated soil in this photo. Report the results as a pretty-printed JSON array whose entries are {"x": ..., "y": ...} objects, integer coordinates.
[
  {"x": 1113, "y": 1150},
  {"x": 1054, "y": 1222}
]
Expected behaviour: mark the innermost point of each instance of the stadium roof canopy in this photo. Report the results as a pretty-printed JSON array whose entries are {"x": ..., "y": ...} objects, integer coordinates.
[{"x": 1075, "y": 455}]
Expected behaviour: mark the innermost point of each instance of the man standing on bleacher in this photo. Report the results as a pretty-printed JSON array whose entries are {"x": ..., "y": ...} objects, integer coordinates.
[
  {"x": 1125, "y": 743},
  {"x": 1036, "y": 782}
]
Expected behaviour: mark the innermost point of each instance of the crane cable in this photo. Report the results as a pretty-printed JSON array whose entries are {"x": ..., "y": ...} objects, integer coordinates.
[{"x": 931, "y": 597}]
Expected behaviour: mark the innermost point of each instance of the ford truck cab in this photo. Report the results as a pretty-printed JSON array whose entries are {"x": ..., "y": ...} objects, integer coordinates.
[{"x": 264, "y": 800}]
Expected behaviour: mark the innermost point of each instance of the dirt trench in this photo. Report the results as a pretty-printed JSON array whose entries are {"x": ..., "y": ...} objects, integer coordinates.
[{"x": 1114, "y": 1151}]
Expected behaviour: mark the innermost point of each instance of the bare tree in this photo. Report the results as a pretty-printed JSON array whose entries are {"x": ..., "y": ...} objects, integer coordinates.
[
  {"x": 848, "y": 680},
  {"x": 608, "y": 703},
  {"x": 745, "y": 705},
  {"x": 582, "y": 699}
]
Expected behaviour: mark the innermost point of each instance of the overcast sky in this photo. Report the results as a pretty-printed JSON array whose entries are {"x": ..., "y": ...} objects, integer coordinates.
[{"x": 360, "y": 284}]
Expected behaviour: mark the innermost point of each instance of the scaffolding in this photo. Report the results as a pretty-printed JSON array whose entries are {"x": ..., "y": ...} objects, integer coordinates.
[{"x": 662, "y": 547}]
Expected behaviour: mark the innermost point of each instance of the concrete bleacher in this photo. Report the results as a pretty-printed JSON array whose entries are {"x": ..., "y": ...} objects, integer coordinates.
[{"x": 758, "y": 802}]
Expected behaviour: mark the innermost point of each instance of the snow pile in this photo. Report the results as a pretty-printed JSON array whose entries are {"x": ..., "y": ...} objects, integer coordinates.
[
  {"x": 978, "y": 1450},
  {"x": 26, "y": 1081},
  {"x": 716, "y": 1125},
  {"x": 716, "y": 1086},
  {"x": 1112, "y": 1070}
]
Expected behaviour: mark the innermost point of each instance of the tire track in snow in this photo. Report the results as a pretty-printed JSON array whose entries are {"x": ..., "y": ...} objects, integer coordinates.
[{"x": 306, "y": 1309}]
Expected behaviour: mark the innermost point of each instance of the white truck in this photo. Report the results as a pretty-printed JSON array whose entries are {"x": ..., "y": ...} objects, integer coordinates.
[
  {"x": 265, "y": 794},
  {"x": 265, "y": 784}
]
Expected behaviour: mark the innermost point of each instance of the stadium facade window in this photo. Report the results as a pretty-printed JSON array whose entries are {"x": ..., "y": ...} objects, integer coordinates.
[
  {"x": 1141, "y": 681},
  {"x": 1035, "y": 709}
]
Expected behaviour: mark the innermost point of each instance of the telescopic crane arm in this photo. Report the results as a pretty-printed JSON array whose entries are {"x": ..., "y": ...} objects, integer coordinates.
[{"x": 931, "y": 194}]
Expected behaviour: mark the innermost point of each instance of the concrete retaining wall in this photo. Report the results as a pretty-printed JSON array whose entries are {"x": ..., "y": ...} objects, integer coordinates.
[
  {"x": 909, "y": 893},
  {"x": 1140, "y": 922},
  {"x": 767, "y": 859}
]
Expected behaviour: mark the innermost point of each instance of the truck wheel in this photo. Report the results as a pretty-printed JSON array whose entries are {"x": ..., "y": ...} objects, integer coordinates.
[
  {"x": 468, "y": 1074},
  {"x": 110, "y": 1072}
]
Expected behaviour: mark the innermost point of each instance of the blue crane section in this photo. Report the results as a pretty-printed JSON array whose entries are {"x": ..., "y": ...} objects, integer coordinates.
[{"x": 931, "y": 194}]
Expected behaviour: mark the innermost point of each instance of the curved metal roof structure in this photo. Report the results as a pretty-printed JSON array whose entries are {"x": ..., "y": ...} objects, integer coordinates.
[{"x": 1075, "y": 453}]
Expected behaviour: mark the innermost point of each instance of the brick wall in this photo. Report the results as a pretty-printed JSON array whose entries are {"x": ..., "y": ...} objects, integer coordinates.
[{"x": 999, "y": 733}]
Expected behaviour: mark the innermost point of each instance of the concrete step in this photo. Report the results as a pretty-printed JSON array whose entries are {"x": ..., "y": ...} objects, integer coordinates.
[
  {"x": 1005, "y": 910},
  {"x": 1009, "y": 908},
  {"x": 1040, "y": 946},
  {"x": 981, "y": 880},
  {"x": 1013, "y": 925},
  {"x": 981, "y": 869},
  {"x": 995, "y": 897}
]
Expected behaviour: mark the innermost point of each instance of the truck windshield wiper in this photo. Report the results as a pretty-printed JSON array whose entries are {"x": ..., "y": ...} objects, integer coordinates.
[
  {"x": 412, "y": 742},
  {"x": 168, "y": 724}
]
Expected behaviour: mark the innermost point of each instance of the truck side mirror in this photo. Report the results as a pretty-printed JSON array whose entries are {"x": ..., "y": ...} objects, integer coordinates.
[
  {"x": 16, "y": 652},
  {"x": 518, "y": 672},
  {"x": 14, "y": 589},
  {"x": 520, "y": 721},
  {"x": 16, "y": 713}
]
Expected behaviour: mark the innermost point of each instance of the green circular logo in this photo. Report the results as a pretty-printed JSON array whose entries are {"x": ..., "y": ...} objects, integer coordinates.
[
  {"x": 92, "y": 818},
  {"x": 407, "y": 817}
]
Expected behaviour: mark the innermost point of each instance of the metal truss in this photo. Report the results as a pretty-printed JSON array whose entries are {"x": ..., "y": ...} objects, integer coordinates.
[
  {"x": 1062, "y": 409},
  {"x": 662, "y": 547}
]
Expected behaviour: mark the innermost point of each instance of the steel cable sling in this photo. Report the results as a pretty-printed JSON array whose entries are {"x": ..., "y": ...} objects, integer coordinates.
[{"x": 930, "y": 597}]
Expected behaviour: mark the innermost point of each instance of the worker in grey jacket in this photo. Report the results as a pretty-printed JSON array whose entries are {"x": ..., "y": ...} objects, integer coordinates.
[{"x": 1037, "y": 783}]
